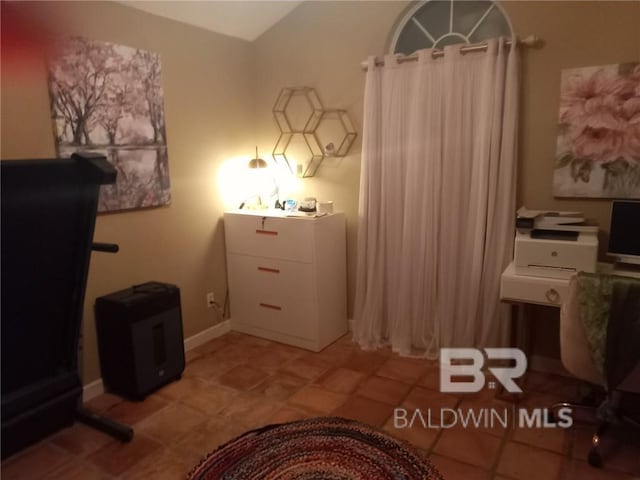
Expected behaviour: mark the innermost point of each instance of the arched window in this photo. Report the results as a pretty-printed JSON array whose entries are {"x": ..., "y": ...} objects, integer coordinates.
[{"x": 436, "y": 23}]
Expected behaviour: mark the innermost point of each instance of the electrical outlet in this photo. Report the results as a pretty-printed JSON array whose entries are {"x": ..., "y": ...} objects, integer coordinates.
[{"x": 211, "y": 300}]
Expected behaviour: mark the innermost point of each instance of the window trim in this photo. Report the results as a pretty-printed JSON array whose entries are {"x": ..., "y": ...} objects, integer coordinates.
[{"x": 410, "y": 11}]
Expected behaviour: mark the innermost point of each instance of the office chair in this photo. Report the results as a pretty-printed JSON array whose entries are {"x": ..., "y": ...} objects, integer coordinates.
[{"x": 600, "y": 344}]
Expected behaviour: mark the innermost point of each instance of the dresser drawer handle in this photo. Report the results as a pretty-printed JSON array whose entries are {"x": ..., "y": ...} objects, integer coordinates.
[
  {"x": 272, "y": 307},
  {"x": 266, "y": 232},
  {"x": 552, "y": 295},
  {"x": 269, "y": 270}
]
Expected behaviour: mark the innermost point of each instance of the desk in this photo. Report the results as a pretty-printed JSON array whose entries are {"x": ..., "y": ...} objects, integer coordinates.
[
  {"x": 523, "y": 290},
  {"x": 530, "y": 289},
  {"x": 543, "y": 290}
]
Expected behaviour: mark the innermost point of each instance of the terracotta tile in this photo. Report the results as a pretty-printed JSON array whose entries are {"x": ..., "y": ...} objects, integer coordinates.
[
  {"x": 469, "y": 446},
  {"x": 487, "y": 394},
  {"x": 425, "y": 400},
  {"x": 317, "y": 399},
  {"x": 210, "y": 368},
  {"x": 209, "y": 399},
  {"x": 431, "y": 379},
  {"x": 540, "y": 400},
  {"x": 287, "y": 414},
  {"x": 170, "y": 423},
  {"x": 486, "y": 406},
  {"x": 77, "y": 470},
  {"x": 303, "y": 369},
  {"x": 250, "y": 410},
  {"x": 457, "y": 470},
  {"x": 163, "y": 464},
  {"x": 555, "y": 439},
  {"x": 81, "y": 440},
  {"x": 549, "y": 383},
  {"x": 235, "y": 352},
  {"x": 269, "y": 359},
  {"x": 35, "y": 462},
  {"x": 619, "y": 447},
  {"x": 184, "y": 387},
  {"x": 579, "y": 470},
  {"x": 114, "y": 458},
  {"x": 279, "y": 386},
  {"x": 529, "y": 463},
  {"x": 251, "y": 341},
  {"x": 364, "y": 410},
  {"x": 333, "y": 355},
  {"x": 242, "y": 377},
  {"x": 402, "y": 369},
  {"x": 289, "y": 350},
  {"x": 192, "y": 446},
  {"x": 191, "y": 355},
  {"x": 131, "y": 413},
  {"x": 417, "y": 435},
  {"x": 338, "y": 352},
  {"x": 103, "y": 402},
  {"x": 211, "y": 346},
  {"x": 384, "y": 390},
  {"x": 233, "y": 337},
  {"x": 341, "y": 380},
  {"x": 364, "y": 361}
]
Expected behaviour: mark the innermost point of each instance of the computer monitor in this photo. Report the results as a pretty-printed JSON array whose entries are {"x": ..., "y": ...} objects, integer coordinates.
[{"x": 624, "y": 231}]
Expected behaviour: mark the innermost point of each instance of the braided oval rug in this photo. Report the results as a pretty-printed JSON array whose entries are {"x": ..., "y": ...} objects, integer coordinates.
[{"x": 315, "y": 449}]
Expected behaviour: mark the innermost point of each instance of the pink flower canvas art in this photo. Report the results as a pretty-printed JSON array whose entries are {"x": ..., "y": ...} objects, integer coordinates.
[{"x": 598, "y": 146}]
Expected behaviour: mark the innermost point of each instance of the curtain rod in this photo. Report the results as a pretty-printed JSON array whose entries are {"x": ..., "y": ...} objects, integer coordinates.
[{"x": 530, "y": 41}]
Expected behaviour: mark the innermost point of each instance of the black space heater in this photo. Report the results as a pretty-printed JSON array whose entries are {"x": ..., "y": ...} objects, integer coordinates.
[
  {"x": 48, "y": 217},
  {"x": 140, "y": 338}
]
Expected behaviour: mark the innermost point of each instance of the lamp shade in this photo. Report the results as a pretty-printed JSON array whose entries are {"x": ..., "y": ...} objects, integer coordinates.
[{"x": 257, "y": 162}]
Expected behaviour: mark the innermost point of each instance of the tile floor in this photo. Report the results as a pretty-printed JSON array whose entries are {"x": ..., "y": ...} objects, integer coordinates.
[{"x": 238, "y": 382}]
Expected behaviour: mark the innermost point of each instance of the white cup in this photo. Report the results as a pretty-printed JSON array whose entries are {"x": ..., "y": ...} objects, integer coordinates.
[{"x": 324, "y": 207}]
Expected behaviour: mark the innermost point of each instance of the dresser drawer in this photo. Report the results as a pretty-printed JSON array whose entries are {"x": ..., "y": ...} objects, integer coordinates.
[
  {"x": 528, "y": 289},
  {"x": 273, "y": 237},
  {"x": 292, "y": 316},
  {"x": 272, "y": 279}
]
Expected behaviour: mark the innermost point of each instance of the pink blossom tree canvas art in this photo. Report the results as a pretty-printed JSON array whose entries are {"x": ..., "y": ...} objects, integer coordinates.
[
  {"x": 598, "y": 146},
  {"x": 108, "y": 99}
]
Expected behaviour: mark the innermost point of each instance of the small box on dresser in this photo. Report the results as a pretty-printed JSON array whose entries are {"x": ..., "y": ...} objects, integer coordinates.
[{"x": 287, "y": 276}]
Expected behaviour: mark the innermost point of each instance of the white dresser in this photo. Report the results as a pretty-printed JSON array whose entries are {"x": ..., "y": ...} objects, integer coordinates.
[{"x": 287, "y": 276}]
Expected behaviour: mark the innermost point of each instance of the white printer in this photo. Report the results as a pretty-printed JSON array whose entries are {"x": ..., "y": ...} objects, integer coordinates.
[{"x": 554, "y": 244}]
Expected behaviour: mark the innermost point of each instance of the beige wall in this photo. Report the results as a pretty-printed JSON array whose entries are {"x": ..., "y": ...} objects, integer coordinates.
[
  {"x": 214, "y": 84},
  {"x": 208, "y": 107}
]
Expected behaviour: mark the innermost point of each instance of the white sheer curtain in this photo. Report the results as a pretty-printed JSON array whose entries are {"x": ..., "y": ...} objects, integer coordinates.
[{"x": 437, "y": 200}]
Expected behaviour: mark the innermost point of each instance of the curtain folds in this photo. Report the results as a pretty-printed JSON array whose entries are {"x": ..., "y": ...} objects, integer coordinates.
[{"x": 437, "y": 200}]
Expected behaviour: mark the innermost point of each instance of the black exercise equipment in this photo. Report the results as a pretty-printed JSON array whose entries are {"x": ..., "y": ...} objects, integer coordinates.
[{"x": 48, "y": 215}]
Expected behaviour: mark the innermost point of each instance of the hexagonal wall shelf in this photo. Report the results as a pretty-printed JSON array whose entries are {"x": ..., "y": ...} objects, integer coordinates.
[
  {"x": 304, "y": 166},
  {"x": 335, "y": 132},
  {"x": 300, "y": 115},
  {"x": 297, "y": 110}
]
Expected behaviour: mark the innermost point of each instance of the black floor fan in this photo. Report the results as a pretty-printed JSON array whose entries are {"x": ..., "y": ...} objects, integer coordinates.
[{"x": 48, "y": 215}]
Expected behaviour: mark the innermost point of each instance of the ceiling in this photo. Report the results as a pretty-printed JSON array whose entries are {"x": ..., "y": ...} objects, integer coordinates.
[{"x": 241, "y": 19}]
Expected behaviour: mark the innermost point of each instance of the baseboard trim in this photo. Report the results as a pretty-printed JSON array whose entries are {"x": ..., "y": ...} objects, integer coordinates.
[
  {"x": 92, "y": 390},
  {"x": 95, "y": 388},
  {"x": 206, "y": 335}
]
